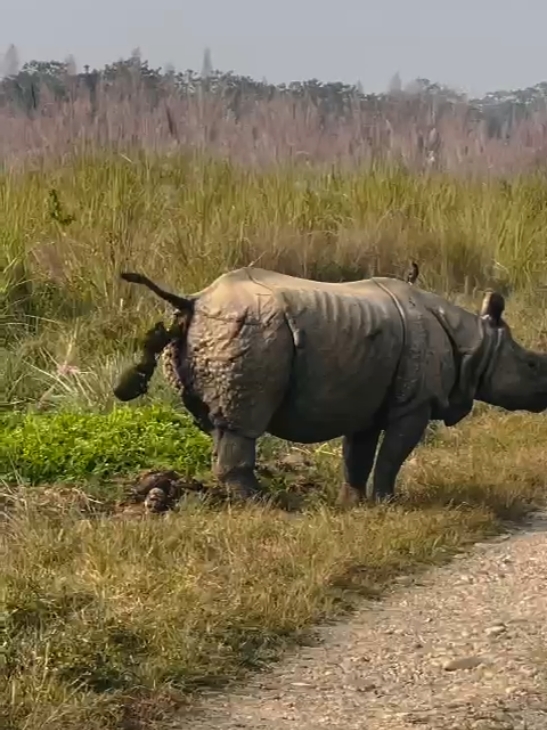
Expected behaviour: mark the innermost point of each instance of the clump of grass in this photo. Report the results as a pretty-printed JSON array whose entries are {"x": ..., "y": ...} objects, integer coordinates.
[{"x": 98, "y": 614}]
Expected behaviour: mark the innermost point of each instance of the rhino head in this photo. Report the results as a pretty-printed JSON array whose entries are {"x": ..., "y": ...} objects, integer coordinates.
[{"x": 516, "y": 378}]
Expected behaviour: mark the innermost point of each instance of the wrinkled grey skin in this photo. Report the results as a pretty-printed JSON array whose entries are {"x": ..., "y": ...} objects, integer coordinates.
[{"x": 309, "y": 361}]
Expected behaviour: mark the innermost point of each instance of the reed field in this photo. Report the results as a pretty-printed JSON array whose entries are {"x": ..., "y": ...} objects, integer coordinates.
[{"x": 110, "y": 620}]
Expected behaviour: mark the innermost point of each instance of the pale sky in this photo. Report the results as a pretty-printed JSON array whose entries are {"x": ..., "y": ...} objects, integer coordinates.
[{"x": 472, "y": 45}]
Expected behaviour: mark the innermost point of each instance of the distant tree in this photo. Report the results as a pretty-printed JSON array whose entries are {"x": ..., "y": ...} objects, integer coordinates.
[
  {"x": 70, "y": 65},
  {"x": 499, "y": 111},
  {"x": 10, "y": 62},
  {"x": 418, "y": 86},
  {"x": 207, "y": 65},
  {"x": 25, "y": 87},
  {"x": 395, "y": 84}
]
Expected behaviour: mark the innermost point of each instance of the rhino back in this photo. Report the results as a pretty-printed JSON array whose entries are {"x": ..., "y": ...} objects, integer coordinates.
[
  {"x": 348, "y": 344},
  {"x": 258, "y": 280}
]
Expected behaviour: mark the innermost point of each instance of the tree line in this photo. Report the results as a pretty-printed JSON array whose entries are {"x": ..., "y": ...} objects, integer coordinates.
[{"x": 24, "y": 87}]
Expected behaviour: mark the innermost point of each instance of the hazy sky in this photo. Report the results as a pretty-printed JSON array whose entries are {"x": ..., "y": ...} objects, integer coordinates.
[{"x": 474, "y": 45}]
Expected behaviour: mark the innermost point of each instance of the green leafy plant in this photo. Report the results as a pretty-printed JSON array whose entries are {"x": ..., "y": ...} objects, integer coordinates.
[{"x": 76, "y": 446}]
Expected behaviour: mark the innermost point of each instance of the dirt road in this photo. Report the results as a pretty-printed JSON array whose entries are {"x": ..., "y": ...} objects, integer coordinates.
[{"x": 462, "y": 647}]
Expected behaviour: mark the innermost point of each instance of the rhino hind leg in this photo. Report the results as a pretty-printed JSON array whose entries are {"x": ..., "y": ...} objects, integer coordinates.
[
  {"x": 400, "y": 438},
  {"x": 234, "y": 459},
  {"x": 358, "y": 451}
]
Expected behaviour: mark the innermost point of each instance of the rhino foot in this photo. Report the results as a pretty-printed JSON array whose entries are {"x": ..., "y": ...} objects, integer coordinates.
[
  {"x": 358, "y": 450},
  {"x": 348, "y": 497},
  {"x": 234, "y": 464},
  {"x": 400, "y": 438}
]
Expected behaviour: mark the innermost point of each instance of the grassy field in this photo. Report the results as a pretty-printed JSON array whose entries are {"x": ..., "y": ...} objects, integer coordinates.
[{"x": 108, "y": 620}]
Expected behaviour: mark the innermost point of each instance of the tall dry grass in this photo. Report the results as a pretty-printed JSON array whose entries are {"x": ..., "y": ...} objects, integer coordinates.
[
  {"x": 69, "y": 230},
  {"x": 418, "y": 132}
]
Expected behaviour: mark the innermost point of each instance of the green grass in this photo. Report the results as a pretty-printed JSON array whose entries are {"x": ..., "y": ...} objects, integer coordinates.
[
  {"x": 75, "y": 447},
  {"x": 108, "y": 620}
]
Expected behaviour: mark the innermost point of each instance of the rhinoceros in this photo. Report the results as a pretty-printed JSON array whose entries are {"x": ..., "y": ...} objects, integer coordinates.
[{"x": 261, "y": 352}]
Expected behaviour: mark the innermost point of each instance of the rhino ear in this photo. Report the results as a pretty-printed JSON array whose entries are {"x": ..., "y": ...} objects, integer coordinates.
[
  {"x": 413, "y": 273},
  {"x": 493, "y": 306}
]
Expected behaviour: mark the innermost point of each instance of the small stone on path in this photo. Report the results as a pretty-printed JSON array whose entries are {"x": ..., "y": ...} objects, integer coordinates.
[{"x": 466, "y": 662}]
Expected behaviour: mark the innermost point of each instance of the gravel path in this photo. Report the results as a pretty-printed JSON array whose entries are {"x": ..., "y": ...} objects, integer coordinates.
[{"x": 462, "y": 648}]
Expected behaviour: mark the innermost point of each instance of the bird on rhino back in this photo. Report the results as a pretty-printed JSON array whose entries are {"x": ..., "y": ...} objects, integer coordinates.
[{"x": 260, "y": 352}]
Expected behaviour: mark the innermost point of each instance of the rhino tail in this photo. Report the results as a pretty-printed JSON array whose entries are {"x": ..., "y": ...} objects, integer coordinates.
[{"x": 183, "y": 304}]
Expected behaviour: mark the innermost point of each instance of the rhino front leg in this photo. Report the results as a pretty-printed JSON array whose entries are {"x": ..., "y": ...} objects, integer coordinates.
[
  {"x": 358, "y": 451},
  {"x": 234, "y": 458},
  {"x": 400, "y": 438}
]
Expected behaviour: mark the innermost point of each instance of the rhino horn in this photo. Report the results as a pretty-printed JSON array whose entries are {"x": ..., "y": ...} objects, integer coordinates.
[
  {"x": 413, "y": 273},
  {"x": 492, "y": 308},
  {"x": 180, "y": 303}
]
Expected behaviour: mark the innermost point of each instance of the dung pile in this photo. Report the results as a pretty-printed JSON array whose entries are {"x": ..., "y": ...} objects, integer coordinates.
[{"x": 160, "y": 490}]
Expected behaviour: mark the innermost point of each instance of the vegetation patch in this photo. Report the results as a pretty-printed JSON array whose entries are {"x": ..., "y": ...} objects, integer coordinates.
[{"x": 67, "y": 446}]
